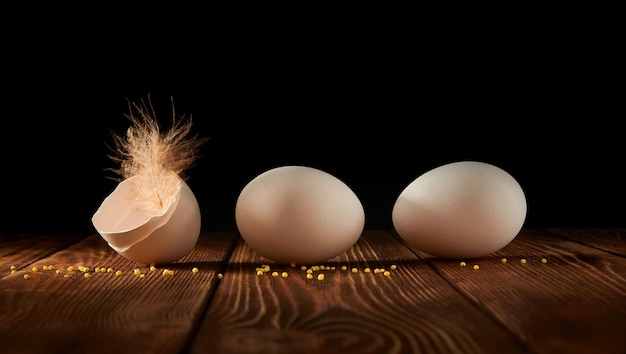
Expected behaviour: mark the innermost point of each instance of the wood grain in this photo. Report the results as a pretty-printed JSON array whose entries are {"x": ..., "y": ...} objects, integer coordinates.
[
  {"x": 49, "y": 313},
  {"x": 22, "y": 250},
  {"x": 610, "y": 240},
  {"x": 412, "y": 311},
  {"x": 574, "y": 303}
]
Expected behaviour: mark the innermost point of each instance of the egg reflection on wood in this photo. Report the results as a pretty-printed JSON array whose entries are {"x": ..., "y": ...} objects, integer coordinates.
[
  {"x": 152, "y": 216},
  {"x": 299, "y": 214},
  {"x": 463, "y": 209}
]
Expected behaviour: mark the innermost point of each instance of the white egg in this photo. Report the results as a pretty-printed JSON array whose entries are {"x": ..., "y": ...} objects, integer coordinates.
[
  {"x": 299, "y": 214},
  {"x": 144, "y": 237},
  {"x": 465, "y": 209}
]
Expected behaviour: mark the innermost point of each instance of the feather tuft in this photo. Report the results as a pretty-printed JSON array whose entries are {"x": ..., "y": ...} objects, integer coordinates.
[{"x": 157, "y": 160}]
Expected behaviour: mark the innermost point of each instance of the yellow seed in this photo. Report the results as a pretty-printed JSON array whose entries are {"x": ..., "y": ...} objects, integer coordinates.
[
  {"x": 194, "y": 270},
  {"x": 13, "y": 267},
  {"x": 109, "y": 270},
  {"x": 87, "y": 275},
  {"x": 220, "y": 275},
  {"x": 355, "y": 270},
  {"x": 58, "y": 271},
  {"x": 152, "y": 268},
  {"x": 309, "y": 271},
  {"x": 97, "y": 270},
  {"x": 85, "y": 269},
  {"x": 476, "y": 267},
  {"x": 462, "y": 264},
  {"x": 141, "y": 276},
  {"x": 543, "y": 260},
  {"x": 302, "y": 267},
  {"x": 274, "y": 274},
  {"x": 320, "y": 276},
  {"x": 137, "y": 271},
  {"x": 393, "y": 267},
  {"x": 118, "y": 273},
  {"x": 13, "y": 271},
  {"x": 367, "y": 270},
  {"x": 26, "y": 276},
  {"x": 503, "y": 260},
  {"x": 309, "y": 276},
  {"x": 45, "y": 267},
  {"x": 168, "y": 272},
  {"x": 344, "y": 267},
  {"x": 387, "y": 273},
  {"x": 259, "y": 272},
  {"x": 315, "y": 268},
  {"x": 66, "y": 276},
  {"x": 523, "y": 261},
  {"x": 70, "y": 268},
  {"x": 284, "y": 274},
  {"x": 35, "y": 269}
]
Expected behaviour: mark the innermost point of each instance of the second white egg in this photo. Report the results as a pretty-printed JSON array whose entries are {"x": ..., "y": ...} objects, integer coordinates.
[
  {"x": 299, "y": 214},
  {"x": 464, "y": 209}
]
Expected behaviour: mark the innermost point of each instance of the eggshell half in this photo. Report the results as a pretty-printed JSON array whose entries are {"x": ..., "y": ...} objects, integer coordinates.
[
  {"x": 463, "y": 209},
  {"x": 148, "y": 239},
  {"x": 299, "y": 214}
]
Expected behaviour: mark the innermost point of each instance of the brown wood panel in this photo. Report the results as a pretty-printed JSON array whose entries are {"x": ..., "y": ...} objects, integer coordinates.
[
  {"x": 574, "y": 303},
  {"x": 413, "y": 310},
  {"x": 610, "y": 240},
  {"x": 49, "y": 313},
  {"x": 22, "y": 250}
]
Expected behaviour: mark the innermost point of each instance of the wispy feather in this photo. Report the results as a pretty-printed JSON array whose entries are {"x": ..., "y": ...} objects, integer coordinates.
[{"x": 157, "y": 160}]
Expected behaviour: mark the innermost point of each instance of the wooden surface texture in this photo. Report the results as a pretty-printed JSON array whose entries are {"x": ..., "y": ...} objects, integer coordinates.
[{"x": 568, "y": 297}]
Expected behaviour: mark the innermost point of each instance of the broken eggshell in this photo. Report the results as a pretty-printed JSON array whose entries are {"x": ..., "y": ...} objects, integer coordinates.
[{"x": 144, "y": 238}]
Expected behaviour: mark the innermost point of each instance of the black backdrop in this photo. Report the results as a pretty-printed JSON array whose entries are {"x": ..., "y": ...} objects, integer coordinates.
[{"x": 375, "y": 93}]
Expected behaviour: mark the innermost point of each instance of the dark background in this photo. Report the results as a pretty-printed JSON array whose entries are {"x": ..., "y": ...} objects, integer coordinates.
[{"x": 375, "y": 93}]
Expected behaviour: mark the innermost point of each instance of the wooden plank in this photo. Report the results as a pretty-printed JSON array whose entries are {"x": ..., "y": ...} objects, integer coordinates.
[
  {"x": 574, "y": 303},
  {"x": 412, "y": 311},
  {"x": 610, "y": 240},
  {"x": 49, "y": 313},
  {"x": 22, "y": 250}
]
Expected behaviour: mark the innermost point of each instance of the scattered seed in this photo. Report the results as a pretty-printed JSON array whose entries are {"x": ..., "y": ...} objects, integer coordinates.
[
  {"x": 35, "y": 269},
  {"x": 320, "y": 276},
  {"x": 462, "y": 264},
  {"x": 26, "y": 276},
  {"x": 220, "y": 275},
  {"x": 543, "y": 260},
  {"x": 503, "y": 260},
  {"x": 284, "y": 274},
  {"x": 194, "y": 270},
  {"x": 476, "y": 267},
  {"x": 523, "y": 261}
]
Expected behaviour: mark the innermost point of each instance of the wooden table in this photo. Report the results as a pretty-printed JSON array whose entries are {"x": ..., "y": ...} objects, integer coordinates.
[{"x": 568, "y": 297}]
